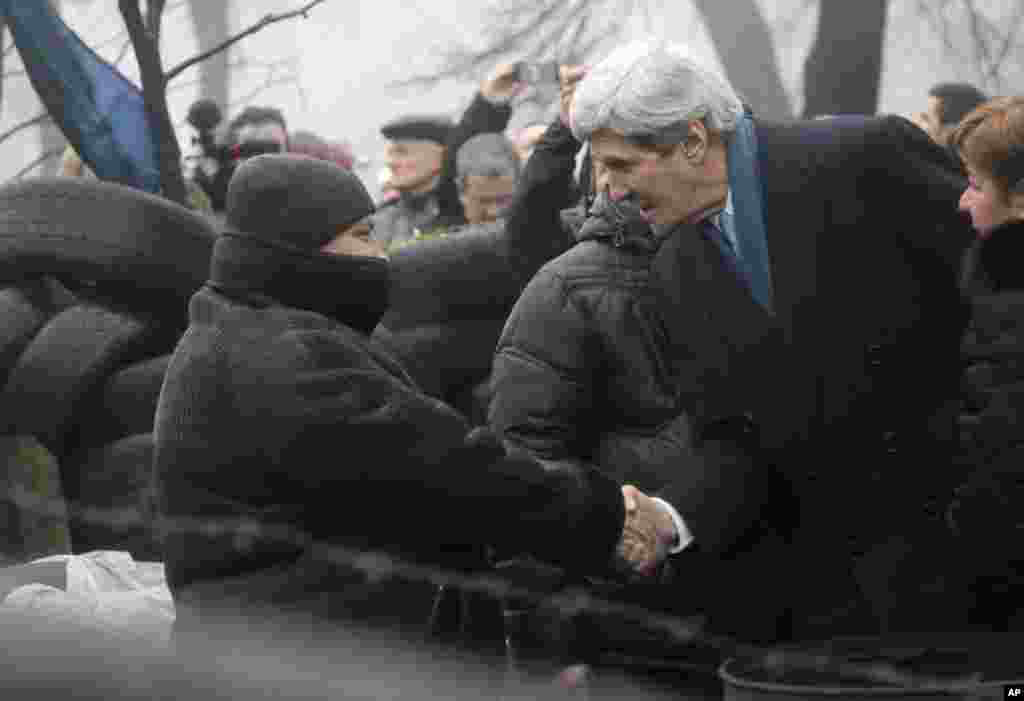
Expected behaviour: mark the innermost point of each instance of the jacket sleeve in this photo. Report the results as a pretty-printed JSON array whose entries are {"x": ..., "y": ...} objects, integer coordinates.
[
  {"x": 712, "y": 476},
  {"x": 534, "y": 232},
  {"x": 397, "y": 469},
  {"x": 544, "y": 373},
  {"x": 481, "y": 117}
]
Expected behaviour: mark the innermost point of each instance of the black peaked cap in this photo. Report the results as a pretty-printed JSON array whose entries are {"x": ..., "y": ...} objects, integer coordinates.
[{"x": 428, "y": 128}]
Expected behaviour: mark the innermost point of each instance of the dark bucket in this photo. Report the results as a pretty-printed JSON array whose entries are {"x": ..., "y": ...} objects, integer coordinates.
[{"x": 922, "y": 667}]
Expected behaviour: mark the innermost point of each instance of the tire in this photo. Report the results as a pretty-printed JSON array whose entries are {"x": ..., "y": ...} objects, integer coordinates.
[
  {"x": 477, "y": 272},
  {"x": 125, "y": 405},
  {"x": 70, "y": 356},
  {"x": 24, "y": 310},
  {"x": 110, "y": 491},
  {"x": 445, "y": 359},
  {"x": 463, "y": 276},
  {"x": 145, "y": 252}
]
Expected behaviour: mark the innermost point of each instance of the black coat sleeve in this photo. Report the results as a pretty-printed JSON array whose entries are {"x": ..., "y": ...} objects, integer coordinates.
[
  {"x": 906, "y": 161},
  {"x": 396, "y": 469},
  {"x": 481, "y": 117},
  {"x": 534, "y": 232}
]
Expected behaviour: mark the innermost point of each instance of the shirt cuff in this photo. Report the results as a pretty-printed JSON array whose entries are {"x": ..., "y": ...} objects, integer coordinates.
[{"x": 683, "y": 535}]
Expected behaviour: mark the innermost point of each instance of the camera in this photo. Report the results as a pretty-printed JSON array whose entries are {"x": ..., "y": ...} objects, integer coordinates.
[
  {"x": 537, "y": 73},
  {"x": 205, "y": 117}
]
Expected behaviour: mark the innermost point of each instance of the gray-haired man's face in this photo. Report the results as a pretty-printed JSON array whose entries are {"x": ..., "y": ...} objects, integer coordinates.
[
  {"x": 485, "y": 197},
  {"x": 671, "y": 185}
]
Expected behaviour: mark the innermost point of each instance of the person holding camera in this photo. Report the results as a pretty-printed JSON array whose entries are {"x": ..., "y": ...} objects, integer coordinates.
[{"x": 217, "y": 151}]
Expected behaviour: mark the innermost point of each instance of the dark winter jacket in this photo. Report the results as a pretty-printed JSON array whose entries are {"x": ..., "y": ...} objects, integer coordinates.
[
  {"x": 277, "y": 409},
  {"x": 987, "y": 506},
  {"x": 627, "y": 356}
]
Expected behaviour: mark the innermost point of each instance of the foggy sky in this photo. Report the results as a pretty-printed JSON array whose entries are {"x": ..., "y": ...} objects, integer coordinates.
[{"x": 348, "y": 51}]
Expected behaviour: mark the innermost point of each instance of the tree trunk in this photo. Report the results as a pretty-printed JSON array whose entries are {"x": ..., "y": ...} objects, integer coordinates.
[
  {"x": 844, "y": 68},
  {"x": 3, "y": 46},
  {"x": 51, "y": 139},
  {"x": 744, "y": 44},
  {"x": 154, "y": 90},
  {"x": 210, "y": 18},
  {"x": 154, "y": 20}
]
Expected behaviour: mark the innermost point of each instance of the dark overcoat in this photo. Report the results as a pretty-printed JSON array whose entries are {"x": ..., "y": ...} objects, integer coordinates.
[
  {"x": 629, "y": 358},
  {"x": 285, "y": 438}
]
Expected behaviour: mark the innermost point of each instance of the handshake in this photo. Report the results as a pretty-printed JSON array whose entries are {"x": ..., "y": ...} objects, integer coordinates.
[{"x": 647, "y": 535}]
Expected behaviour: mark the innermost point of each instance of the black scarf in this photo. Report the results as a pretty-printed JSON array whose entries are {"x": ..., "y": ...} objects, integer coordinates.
[{"x": 353, "y": 290}]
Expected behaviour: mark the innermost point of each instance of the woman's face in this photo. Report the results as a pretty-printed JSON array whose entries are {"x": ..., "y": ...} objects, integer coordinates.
[{"x": 984, "y": 201}]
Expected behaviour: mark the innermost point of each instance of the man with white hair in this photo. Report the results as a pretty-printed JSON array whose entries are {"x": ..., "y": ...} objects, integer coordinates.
[{"x": 753, "y": 313}]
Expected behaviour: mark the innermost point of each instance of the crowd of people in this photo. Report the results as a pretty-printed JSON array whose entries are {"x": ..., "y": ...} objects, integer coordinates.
[{"x": 767, "y": 374}]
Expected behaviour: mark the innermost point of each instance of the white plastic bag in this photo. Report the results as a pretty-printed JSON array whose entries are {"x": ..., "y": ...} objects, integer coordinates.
[{"x": 106, "y": 590}]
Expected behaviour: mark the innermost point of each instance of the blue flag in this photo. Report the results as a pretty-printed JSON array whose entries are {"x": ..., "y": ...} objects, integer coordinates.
[{"x": 101, "y": 113}]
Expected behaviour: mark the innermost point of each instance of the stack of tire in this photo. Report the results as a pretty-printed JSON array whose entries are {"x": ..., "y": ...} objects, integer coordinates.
[
  {"x": 94, "y": 286},
  {"x": 450, "y": 298},
  {"x": 95, "y": 280}
]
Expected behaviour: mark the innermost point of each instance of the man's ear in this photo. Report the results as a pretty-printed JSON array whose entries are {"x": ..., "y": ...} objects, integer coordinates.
[{"x": 698, "y": 139}]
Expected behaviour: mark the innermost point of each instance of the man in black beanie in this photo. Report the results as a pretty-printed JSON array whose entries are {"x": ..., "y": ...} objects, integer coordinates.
[{"x": 280, "y": 421}]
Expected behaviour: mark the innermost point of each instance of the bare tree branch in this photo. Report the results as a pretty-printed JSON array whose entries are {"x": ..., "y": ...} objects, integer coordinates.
[
  {"x": 1008, "y": 44},
  {"x": 524, "y": 27},
  {"x": 230, "y": 41},
  {"x": 23, "y": 125},
  {"x": 123, "y": 52},
  {"x": 154, "y": 92},
  {"x": 973, "y": 38},
  {"x": 47, "y": 156},
  {"x": 269, "y": 83}
]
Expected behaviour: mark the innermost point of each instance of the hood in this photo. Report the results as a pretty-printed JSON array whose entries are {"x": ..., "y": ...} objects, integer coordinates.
[{"x": 619, "y": 222}]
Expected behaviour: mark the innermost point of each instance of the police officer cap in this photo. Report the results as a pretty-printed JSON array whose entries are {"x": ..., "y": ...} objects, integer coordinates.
[{"x": 428, "y": 128}]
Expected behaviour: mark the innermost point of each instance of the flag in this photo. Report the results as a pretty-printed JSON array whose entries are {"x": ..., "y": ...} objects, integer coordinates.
[{"x": 101, "y": 113}]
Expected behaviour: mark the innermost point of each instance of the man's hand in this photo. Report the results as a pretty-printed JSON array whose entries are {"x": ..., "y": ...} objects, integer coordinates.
[
  {"x": 648, "y": 533},
  {"x": 568, "y": 78},
  {"x": 502, "y": 85}
]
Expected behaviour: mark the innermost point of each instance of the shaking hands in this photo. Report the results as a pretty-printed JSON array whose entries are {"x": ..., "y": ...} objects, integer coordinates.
[{"x": 648, "y": 534}]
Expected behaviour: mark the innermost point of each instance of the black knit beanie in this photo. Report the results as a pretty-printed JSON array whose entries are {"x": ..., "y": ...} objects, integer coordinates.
[{"x": 301, "y": 201}]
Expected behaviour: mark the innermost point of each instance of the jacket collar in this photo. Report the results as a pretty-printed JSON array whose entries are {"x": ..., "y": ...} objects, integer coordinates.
[
  {"x": 620, "y": 223},
  {"x": 996, "y": 262}
]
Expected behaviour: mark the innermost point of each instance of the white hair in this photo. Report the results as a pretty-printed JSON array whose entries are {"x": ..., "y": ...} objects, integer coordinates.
[{"x": 651, "y": 89}]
